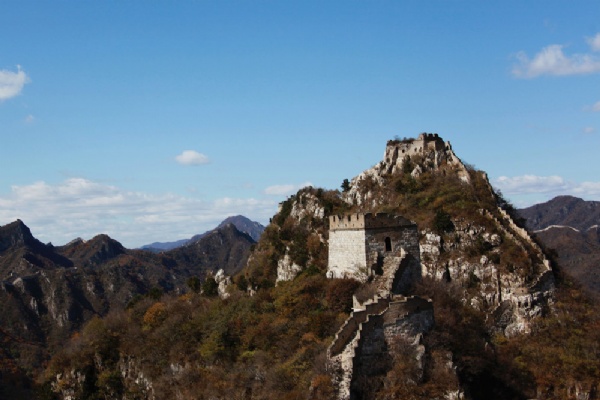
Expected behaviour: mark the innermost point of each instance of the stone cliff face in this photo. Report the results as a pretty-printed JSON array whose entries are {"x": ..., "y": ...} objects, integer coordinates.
[
  {"x": 513, "y": 296},
  {"x": 307, "y": 207},
  {"x": 414, "y": 156}
]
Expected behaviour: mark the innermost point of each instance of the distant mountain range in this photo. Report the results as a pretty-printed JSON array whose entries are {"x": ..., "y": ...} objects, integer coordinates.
[
  {"x": 243, "y": 224},
  {"x": 570, "y": 226},
  {"x": 563, "y": 211},
  {"x": 47, "y": 292}
]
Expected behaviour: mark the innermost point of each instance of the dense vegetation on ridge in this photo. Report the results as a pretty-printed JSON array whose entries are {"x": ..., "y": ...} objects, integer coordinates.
[
  {"x": 268, "y": 340},
  {"x": 47, "y": 293}
]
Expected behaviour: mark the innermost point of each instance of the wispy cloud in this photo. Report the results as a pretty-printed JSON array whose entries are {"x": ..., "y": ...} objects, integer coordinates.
[
  {"x": 29, "y": 119},
  {"x": 595, "y": 107},
  {"x": 11, "y": 83},
  {"x": 551, "y": 60},
  {"x": 594, "y": 42},
  {"x": 549, "y": 186},
  {"x": 588, "y": 130},
  {"x": 285, "y": 190},
  {"x": 79, "y": 207},
  {"x": 191, "y": 157}
]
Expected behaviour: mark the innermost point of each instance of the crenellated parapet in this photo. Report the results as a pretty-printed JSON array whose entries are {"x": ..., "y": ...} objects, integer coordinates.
[{"x": 368, "y": 221}]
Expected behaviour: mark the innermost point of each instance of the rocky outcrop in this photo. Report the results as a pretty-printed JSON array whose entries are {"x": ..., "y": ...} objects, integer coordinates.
[
  {"x": 308, "y": 205},
  {"x": 287, "y": 269},
  {"x": 509, "y": 292},
  {"x": 76, "y": 384},
  {"x": 502, "y": 269},
  {"x": 223, "y": 281},
  {"x": 427, "y": 152}
]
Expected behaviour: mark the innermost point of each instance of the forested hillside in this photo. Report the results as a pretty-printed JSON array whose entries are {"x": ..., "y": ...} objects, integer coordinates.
[{"x": 508, "y": 324}]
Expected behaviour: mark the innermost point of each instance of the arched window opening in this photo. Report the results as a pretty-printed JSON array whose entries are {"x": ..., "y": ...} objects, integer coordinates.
[{"x": 388, "y": 244}]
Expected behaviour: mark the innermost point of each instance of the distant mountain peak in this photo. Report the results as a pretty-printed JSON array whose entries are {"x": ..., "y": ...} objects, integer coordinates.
[
  {"x": 562, "y": 210},
  {"x": 242, "y": 224},
  {"x": 16, "y": 234},
  {"x": 245, "y": 225}
]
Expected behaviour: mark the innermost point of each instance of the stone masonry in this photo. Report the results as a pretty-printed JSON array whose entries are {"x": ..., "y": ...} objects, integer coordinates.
[
  {"x": 359, "y": 243},
  {"x": 383, "y": 249}
]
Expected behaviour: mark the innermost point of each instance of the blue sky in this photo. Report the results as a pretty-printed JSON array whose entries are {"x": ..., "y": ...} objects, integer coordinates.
[{"x": 153, "y": 121}]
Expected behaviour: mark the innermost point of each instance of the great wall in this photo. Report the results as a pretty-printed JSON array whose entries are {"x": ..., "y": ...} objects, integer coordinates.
[{"x": 384, "y": 252}]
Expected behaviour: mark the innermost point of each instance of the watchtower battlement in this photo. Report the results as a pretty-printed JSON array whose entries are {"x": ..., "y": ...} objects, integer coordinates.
[
  {"x": 359, "y": 243},
  {"x": 425, "y": 143},
  {"x": 429, "y": 146},
  {"x": 367, "y": 221}
]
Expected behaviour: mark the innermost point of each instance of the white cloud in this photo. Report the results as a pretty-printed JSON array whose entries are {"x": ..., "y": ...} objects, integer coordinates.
[
  {"x": 191, "y": 157},
  {"x": 589, "y": 130},
  {"x": 594, "y": 42},
  {"x": 29, "y": 119},
  {"x": 11, "y": 83},
  {"x": 546, "y": 186},
  {"x": 285, "y": 190},
  {"x": 593, "y": 108},
  {"x": 80, "y": 207},
  {"x": 552, "y": 61}
]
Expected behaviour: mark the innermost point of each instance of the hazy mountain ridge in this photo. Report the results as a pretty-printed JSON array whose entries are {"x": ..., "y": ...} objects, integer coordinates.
[{"x": 243, "y": 224}]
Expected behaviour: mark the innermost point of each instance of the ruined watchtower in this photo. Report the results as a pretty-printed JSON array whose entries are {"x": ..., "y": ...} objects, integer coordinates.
[{"x": 360, "y": 243}]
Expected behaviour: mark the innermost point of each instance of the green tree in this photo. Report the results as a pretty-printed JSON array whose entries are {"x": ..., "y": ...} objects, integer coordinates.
[
  {"x": 345, "y": 185},
  {"x": 210, "y": 287},
  {"x": 442, "y": 222},
  {"x": 194, "y": 284},
  {"x": 242, "y": 283},
  {"x": 155, "y": 293}
]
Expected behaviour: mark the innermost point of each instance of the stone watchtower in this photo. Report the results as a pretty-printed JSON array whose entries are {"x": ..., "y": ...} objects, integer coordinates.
[{"x": 361, "y": 244}]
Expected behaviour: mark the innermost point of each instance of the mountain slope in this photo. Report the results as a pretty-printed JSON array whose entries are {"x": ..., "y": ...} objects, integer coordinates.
[
  {"x": 501, "y": 327},
  {"x": 470, "y": 246},
  {"x": 578, "y": 254},
  {"x": 563, "y": 210},
  {"x": 47, "y": 293},
  {"x": 570, "y": 226},
  {"x": 222, "y": 248}
]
